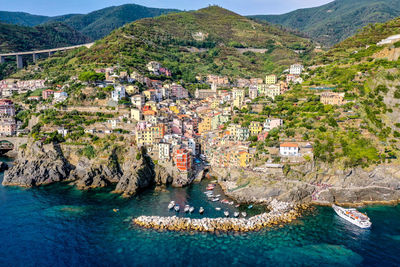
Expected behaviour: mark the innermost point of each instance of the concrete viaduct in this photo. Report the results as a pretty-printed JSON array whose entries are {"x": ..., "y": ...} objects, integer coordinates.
[{"x": 18, "y": 55}]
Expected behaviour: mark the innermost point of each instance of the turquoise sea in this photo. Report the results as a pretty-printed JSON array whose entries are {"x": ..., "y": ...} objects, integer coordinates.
[{"x": 60, "y": 226}]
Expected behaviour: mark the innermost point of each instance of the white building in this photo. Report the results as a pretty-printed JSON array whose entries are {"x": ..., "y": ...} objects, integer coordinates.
[
  {"x": 289, "y": 149},
  {"x": 138, "y": 101},
  {"x": 118, "y": 93},
  {"x": 253, "y": 92},
  {"x": 164, "y": 151},
  {"x": 390, "y": 40},
  {"x": 60, "y": 96},
  {"x": 296, "y": 69}
]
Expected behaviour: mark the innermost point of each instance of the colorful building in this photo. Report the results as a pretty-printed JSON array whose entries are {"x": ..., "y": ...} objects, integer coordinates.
[{"x": 183, "y": 160}]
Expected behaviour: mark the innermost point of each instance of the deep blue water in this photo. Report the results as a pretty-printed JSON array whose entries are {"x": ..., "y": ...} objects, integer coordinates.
[{"x": 61, "y": 226}]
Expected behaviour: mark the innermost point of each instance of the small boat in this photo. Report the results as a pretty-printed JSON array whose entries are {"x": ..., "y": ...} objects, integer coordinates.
[
  {"x": 115, "y": 210},
  {"x": 215, "y": 199},
  {"x": 236, "y": 214},
  {"x": 244, "y": 214},
  {"x": 191, "y": 209},
  {"x": 186, "y": 209},
  {"x": 225, "y": 201},
  {"x": 231, "y": 203},
  {"x": 353, "y": 216},
  {"x": 237, "y": 205},
  {"x": 217, "y": 195},
  {"x": 218, "y": 208},
  {"x": 226, "y": 213},
  {"x": 210, "y": 188},
  {"x": 177, "y": 208},
  {"x": 201, "y": 210},
  {"x": 171, "y": 205},
  {"x": 250, "y": 207}
]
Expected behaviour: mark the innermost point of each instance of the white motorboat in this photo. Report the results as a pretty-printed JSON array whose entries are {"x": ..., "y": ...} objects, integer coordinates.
[
  {"x": 177, "y": 208},
  {"x": 218, "y": 208},
  {"x": 226, "y": 213},
  {"x": 186, "y": 209},
  {"x": 201, "y": 210},
  {"x": 353, "y": 216},
  {"x": 215, "y": 199},
  {"x": 236, "y": 214},
  {"x": 244, "y": 214},
  {"x": 171, "y": 205},
  {"x": 191, "y": 209}
]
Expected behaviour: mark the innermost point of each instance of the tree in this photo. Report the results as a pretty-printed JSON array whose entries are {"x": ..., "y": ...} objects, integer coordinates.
[{"x": 91, "y": 76}]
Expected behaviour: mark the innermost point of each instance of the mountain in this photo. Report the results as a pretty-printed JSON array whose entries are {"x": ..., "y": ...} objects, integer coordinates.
[
  {"x": 333, "y": 22},
  {"x": 20, "y": 38},
  {"x": 99, "y": 23},
  {"x": 211, "y": 40},
  {"x": 22, "y": 18},
  {"x": 95, "y": 25}
]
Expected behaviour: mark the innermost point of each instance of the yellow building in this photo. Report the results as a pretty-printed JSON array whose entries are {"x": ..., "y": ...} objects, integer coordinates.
[
  {"x": 255, "y": 128},
  {"x": 238, "y": 93},
  {"x": 232, "y": 128},
  {"x": 271, "y": 79},
  {"x": 238, "y": 102},
  {"x": 205, "y": 125},
  {"x": 244, "y": 159},
  {"x": 174, "y": 109},
  {"x": 136, "y": 114},
  {"x": 132, "y": 89},
  {"x": 215, "y": 104}
]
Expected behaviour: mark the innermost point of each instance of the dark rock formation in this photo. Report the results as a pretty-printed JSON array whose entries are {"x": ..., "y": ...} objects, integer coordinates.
[
  {"x": 39, "y": 164},
  {"x": 3, "y": 166}
]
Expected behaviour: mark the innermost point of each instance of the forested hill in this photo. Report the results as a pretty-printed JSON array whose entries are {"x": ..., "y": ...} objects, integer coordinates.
[
  {"x": 95, "y": 25},
  {"x": 212, "y": 40},
  {"x": 338, "y": 20},
  {"x": 14, "y": 38}
]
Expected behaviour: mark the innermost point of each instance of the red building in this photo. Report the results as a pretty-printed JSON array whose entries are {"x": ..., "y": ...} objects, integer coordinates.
[
  {"x": 183, "y": 160},
  {"x": 47, "y": 93}
]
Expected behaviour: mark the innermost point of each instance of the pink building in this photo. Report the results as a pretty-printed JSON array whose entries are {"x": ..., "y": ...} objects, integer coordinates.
[{"x": 7, "y": 107}]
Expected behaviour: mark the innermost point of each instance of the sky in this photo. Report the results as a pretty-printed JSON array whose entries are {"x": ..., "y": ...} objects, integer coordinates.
[{"x": 243, "y": 7}]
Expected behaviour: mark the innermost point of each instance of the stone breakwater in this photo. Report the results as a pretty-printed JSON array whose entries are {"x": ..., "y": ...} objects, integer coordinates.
[{"x": 280, "y": 213}]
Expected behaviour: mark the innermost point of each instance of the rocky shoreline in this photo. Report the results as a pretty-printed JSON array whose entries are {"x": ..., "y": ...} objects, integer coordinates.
[{"x": 280, "y": 213}]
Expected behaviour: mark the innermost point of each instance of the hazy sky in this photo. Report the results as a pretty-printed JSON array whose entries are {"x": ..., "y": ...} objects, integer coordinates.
[{"x": 244, "y": 7}]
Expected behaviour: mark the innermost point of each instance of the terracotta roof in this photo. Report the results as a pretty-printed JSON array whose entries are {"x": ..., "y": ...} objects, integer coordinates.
[{"x": 289, "y": 145}]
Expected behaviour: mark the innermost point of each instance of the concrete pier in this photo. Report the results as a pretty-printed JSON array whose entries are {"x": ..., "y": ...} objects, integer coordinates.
[{"x": 20, "y": 63}]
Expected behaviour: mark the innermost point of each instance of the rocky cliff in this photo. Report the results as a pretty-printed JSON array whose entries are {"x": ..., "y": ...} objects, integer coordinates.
[
  {"x": 129, "y": 168},
  {"x": 321, "y": 184}
]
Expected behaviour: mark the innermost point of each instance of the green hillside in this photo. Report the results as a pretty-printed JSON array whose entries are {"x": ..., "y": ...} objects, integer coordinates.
[
  {"x": 22, "y": 18},
  {"x": 96, "y": 24},
  {"x": 190, "y": 43},
  {"x": 338, "y": 20},
  {"x": 20, "y": 38},
  {"x": 14, "y": 38},
  {"x": 100, "y": 23}
]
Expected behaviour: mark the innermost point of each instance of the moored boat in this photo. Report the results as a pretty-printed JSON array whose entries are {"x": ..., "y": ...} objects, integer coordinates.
[
  {"x": 191, "y": 209},
  {"x": 177, "y": 208},
  {"x": 218, "y": 208},
  {"x": 215, "y": 199},
  {"x": 244, "y": 214},
  {"x": 236, "y": 214},
  {"x": 201, "y": 210},
  {"x": 353, "y": 216},
  {"x": 171, "y": 205},
  {"x": 226, "y": 213},
  {"x": 186, "y": 209}
]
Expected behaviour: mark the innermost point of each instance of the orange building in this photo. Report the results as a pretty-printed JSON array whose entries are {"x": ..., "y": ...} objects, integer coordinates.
[{"x": 183, "y": 160}]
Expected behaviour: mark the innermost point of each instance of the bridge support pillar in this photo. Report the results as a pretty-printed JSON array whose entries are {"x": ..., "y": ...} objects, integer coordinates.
[
  {"x": 51, "y": 53},
  {"x": 2, "y": 60},
  {"x": 35, "y": 57},
  {"x": 20, "y": 63}
]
